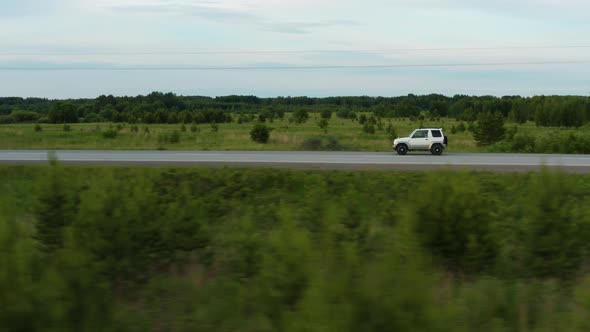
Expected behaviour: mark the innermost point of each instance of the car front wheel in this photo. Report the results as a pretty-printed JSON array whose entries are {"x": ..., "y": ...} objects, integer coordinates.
[{"x": 402, "y": 149}]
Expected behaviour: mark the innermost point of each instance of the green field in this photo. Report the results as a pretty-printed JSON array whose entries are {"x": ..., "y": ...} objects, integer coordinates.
[
  {"x": 198, "y": 249},
  {"x": 285, "y": 136}
]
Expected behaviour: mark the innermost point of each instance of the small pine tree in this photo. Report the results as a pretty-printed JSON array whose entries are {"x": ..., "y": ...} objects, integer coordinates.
[
  {"x": 323, "y": 124},
  {"x": 391, "y": 132},
  {"x": 53, "y": 212},
  {"x": 489, "y": 128}
]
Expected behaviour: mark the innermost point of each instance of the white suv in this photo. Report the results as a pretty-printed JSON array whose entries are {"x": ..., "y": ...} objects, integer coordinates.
[{"x": 426, "y": 139}]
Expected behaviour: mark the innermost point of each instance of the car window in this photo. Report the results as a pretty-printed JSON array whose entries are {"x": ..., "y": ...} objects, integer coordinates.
[
  {"x": 421, "y": 134},
  {"x": 436, "y": 133}
]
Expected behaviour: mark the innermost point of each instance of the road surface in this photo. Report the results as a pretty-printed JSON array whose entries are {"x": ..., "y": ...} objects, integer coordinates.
[{"x": 308, "y": 160}]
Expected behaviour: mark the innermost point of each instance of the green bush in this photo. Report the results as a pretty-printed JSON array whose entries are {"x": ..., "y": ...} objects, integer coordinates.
[
  {"x": 169, "y": 138},
  {"x": 300, "y": 116},
  {"x": 453, "y": 222},
  {"x": 312, "y": 144},
  {"x": 323, "y": 124},
  {"x": 38, "y": 128},
  {"x": 260, "y": 133},
  {"x": 67, "y": 127},
  {"x": 110, "y": 133},
  {"x": 368, "y": 128}
]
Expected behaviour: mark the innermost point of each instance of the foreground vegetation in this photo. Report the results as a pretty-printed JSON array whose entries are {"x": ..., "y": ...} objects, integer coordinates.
[{"x": 150, "y": 249}]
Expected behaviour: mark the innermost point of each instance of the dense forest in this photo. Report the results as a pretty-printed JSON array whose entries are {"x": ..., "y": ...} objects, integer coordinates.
[
  {"x": 555, "y": 111},
  {"x": 163, "y": 249}
]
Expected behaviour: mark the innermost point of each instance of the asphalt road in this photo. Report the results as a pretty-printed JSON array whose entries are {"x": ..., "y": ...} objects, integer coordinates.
[{"x": 308, "y": 160}]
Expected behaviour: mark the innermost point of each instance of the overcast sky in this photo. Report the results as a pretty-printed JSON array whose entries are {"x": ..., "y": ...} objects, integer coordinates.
[{"x": 535, "y": 46}]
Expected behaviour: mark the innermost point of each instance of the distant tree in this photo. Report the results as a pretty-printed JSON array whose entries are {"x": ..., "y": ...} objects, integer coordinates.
[
  {"x": 489, "y": 128},
  {"x": 326, "y": 114}
]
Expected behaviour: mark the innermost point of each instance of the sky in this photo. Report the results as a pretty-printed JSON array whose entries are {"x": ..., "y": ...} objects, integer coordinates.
[{"x": 85, "y": 48}]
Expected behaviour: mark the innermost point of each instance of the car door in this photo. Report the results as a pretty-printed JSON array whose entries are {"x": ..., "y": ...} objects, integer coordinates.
[{"x": 419, "y": 140}]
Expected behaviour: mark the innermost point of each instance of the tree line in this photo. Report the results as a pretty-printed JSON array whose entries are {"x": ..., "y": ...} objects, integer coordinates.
[{"x": 157, "y": 107}]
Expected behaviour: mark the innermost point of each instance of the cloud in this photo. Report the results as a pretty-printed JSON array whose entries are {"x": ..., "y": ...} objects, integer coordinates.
[
  {"x": 223, "y": 11},
  {"x": 306, "y": 27}
]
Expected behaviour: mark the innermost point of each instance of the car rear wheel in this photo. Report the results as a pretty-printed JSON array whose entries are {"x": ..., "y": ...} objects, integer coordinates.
[{"x": 436, "y": 149}]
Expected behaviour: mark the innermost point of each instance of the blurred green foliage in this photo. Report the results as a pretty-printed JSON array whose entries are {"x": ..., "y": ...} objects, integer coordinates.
[{"x": 163, "y": 249}]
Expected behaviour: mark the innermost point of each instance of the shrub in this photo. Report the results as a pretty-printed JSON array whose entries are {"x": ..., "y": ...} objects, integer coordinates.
[
  {"x": 326, "y": 114},
  {"x": 329, "y": 143},
  {"x": 38, "y": 128},
  {"x": 183, "y": 128},
  {"x": 312, "y": 144},
  {"x": 214, "y": 127},
  {"x": 453, "y": 219},
  {"x": 369, "y": 128},
  {"x": 556, "y": 227},
  {"x": 194, "y": 128},
  {"x": 171, "y": 138},
  {"x": 24, "y": 116},
  {"x": 323, "y": 124},
  {"x": 109, "y": 133},
  {"x": 453, "y": 129},
  {"x": 260, "y": 133},
  {"x": 332, "y": 144},
  {"x": 67, "y": 127},
  {"x": 391, "y": 132},
  {"x": 300, "y": 116},
  {"x": 461, "y": 127},
  {"x": 6, "y": 119},
  {"x": 362, "y": 119}
]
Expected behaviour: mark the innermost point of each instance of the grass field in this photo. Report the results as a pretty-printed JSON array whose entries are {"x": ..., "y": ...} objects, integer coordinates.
[{"x": 285, "y": 136}]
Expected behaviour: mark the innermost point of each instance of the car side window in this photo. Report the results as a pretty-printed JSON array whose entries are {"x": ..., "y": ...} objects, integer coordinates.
[
  {"x": 436, "y": 133},
  {"x": 421, "y": 134}
]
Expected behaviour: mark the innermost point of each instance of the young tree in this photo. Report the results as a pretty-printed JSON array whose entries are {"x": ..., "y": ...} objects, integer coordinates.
[
  {"x": 323, "y": 124},
  {"x": 489, "y": 128},
  {"x": 54, "y": 211},
  {"x": 326, "y": 114}
]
